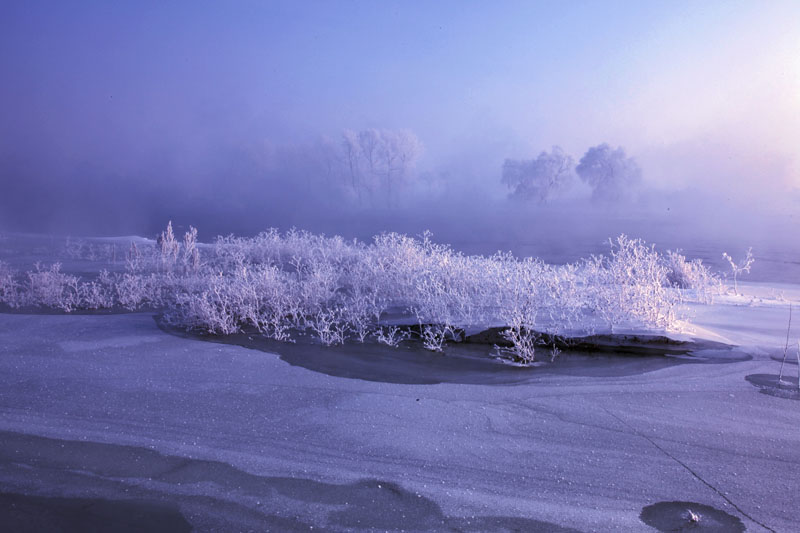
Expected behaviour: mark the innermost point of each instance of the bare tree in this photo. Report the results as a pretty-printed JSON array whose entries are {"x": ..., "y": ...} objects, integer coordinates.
[
  {"x": 399, "y": 151},
  {"x": 352, "y": 159},
  {"x": 327, "y": 158},
  {"x": 369, "y": 146},
  {"x": 376, "y": 160}
]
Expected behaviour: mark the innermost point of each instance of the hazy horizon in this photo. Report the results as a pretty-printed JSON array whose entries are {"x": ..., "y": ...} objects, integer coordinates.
[{"x": 118, "y": 117}]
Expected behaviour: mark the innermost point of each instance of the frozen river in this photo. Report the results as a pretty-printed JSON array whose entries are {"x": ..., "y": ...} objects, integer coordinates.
[{"x": 109, "y": 417}]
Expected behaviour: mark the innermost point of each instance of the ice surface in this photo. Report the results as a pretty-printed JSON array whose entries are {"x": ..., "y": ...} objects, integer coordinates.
[{"x": 187, "y": 422}]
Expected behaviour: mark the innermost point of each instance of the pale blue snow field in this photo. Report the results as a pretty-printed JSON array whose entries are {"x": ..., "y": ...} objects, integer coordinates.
[{"x": 115, "y": 411}]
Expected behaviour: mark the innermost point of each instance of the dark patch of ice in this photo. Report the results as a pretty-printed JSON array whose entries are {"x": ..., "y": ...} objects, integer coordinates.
[
  {"x": 363, "y": 505},
  {"x": 690, "y": 517},
  {"x": 465, "y": 363},
  {"x": 770, "y": 385},
  {"x": 22, "y": 512}
]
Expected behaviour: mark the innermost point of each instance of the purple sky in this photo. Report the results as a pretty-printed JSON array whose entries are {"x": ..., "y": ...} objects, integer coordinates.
[{"x": 703, "y": 94}]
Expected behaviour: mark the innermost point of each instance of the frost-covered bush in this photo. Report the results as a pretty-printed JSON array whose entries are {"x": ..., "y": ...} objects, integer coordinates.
[
  {"x": 519, "y": 306},
  {"x": 362, "y": 299},
  {"x": 191, "y": 255},
  {"x": 628, "y": 288},
  {"x": 437, "y": 310},
  {"x": 692, "y": 276},
  {"x": 73, "y": 249},
  {"x": 329, "y": 325},
  {"x": 521, "y": 333},
  {"x": 97, "y": 294},
  {"x": 135, "y": 291},
  {"x": 9, "y": 290},
  {"x": 169, "y": 247},
  {"x": 742, "y": 267},
  {"x": 90, "y": 251},
  {"x": 335, "y": 290},
  {"x": 49, "y": 287},
  {"x": 134, "y": 260},
  {"x": 215, "y": 309},
  {"x": 261, "y": 297},
  {"x": 390, "y": 335}
]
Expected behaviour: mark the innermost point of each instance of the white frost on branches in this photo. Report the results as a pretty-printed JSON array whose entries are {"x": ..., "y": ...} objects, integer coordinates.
[{"x": 279, "y": 285}]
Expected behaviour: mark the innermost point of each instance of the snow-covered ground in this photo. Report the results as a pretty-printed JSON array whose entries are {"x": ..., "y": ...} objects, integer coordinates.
[
  {"x": 757, "y": 318},
  {"x": 116, "y": 419},
  {"x": 113, "y": 408}
]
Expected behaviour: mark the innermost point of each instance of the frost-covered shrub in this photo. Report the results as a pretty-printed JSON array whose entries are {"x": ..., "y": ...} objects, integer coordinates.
[
  {"x": 213, "y": 310},
  {"x": 9, "y": 289},
  {"x": 272, "y": 309},
  {"x": 691, "y": 276},
  {"x": 329, "y": 326},
  {"x": 742, "y": 267},
  {"x": 522, "y": 335},
  {"x": 362, "y": 300},
  {"x": 257, "y": 296},
  {"x": 190, "y": 255},
  {"x": 132, "y": 291},
  {"x": 49, "y": 287},
  {"x": 133, "y": 259},
  {"x": 283, "y": 284},
  {"x": 436, "y": 310},
  {"x": 73, "y": 249},
  {"x": 390, "y": 335},
  {"x": 169, "y": 247},
  {"x": 90, "y": 251},
  {"x": 563, "y": 297},
  {"x": 338, "y": 289},
  {"x": 153, "y": 290},
  {"x": 520, "y": 306},
  {"x": 97, "y": 294},
  {"x": 266, "y": 299},
  {"x": 628, "y": 287}
]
